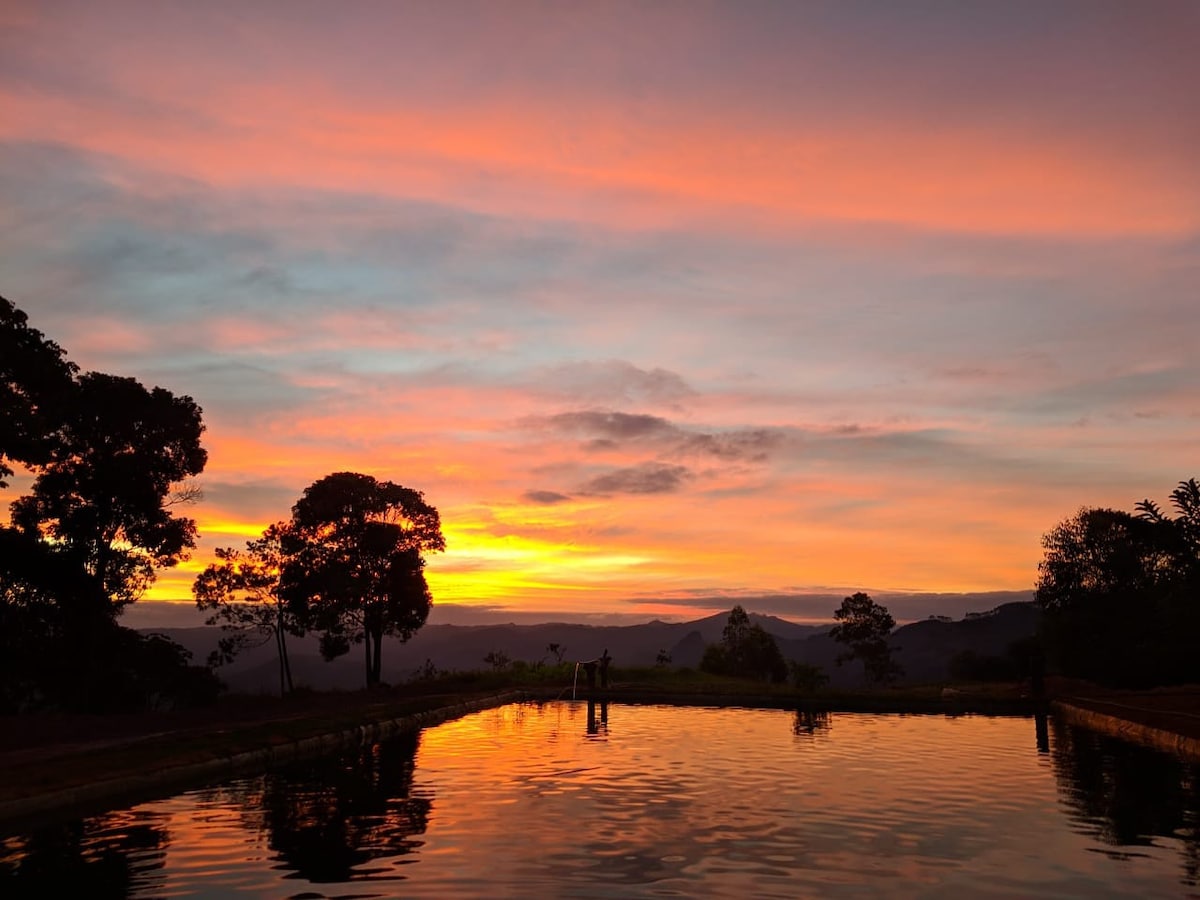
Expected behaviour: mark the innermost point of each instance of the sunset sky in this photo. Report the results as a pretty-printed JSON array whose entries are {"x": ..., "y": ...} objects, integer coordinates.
[{"x": 665, "y": 306}]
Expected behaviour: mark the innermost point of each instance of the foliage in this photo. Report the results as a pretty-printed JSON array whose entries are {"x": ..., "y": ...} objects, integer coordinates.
[
  {"x": 1185, "y": 526},
  {"x": 108, "y": 457},
  {"x": 745, "y": 651},
  {"x": 35, "y": 375},
  {"x": 807, "y": 678},
  {"x": 1119, "y": 593},
  {"x": 498, "y": 660},
  {"x": 354, "y": 569},
  {"x": 968, "y": 665},
  {"x": 1019, "y": 661},
  {"x": 863, "y": 626},
  {"x": 427, "y": 671},
  {"x": 242, "y": 594},
  {"x": 105, "y": 491}
]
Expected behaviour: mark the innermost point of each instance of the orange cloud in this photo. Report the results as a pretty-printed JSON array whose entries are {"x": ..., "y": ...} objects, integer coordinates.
[{"x": 510, "y": 159}]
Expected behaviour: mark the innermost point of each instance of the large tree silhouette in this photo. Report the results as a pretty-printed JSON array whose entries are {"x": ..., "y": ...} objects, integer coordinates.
[
  {"x": 104, "y": 495},
  {"x": 746, "y": 651},
  {"x": 108, "y": 458},
  {"x": 863, "y": 626},
  {"x": 354, "y": 567},
  {"x": 1119, "y": 593}
]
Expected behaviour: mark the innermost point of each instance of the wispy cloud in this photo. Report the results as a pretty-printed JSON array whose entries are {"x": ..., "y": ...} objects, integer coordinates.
[{"x": 646, "y": 478}]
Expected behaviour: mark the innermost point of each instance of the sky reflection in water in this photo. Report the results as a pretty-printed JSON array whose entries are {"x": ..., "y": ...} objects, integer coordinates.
[{"x": 562, "y": 800}]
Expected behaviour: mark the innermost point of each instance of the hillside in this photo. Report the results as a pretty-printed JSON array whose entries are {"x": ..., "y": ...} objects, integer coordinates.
[{"x": 923, "y": 648}]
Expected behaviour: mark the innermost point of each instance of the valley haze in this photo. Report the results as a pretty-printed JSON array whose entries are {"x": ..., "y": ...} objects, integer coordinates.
[
  {"x": 807, "y": 608},
  {"x": 923, "y": 648}
]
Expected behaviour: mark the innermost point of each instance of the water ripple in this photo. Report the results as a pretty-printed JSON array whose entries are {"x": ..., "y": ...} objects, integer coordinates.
[{"x": 541, "y": 799}]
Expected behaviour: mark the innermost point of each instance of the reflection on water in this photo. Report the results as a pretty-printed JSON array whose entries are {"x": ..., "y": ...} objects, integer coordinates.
[
  {"x": 596, "y": 800},
  {"x": 119, "y": 854},
  {"x": 1128, "y": 797},
  {"x": 328, "y": 821},
  {"x": 809, "y": 722}
]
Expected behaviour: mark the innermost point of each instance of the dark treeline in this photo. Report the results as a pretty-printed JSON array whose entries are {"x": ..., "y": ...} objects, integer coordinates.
[
  {"x": 1120, "y": 593},
  {"x": 747, "y": 650},
  {"x": 109, "y": 463}
]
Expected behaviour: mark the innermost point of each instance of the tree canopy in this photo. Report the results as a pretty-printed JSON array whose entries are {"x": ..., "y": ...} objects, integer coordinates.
[
  {"x": 104, "y": 493},
  {"x": 1120, "y": 593},
  {"x": 746, "y": 651},
  {"x": 354, "y": 567},
  {"x": 106, "y": 455},
  {"x": 863, "y": 626},
  {"x": 241, "y": 594},
  {"x": 35, "y": 375}
]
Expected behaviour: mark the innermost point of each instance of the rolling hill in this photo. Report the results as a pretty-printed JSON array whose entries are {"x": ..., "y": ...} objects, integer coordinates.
[{"x": 923, "y": 648}]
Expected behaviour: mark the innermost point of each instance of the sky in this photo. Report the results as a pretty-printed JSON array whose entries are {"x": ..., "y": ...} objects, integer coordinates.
[{"x": 664, "y": 306}]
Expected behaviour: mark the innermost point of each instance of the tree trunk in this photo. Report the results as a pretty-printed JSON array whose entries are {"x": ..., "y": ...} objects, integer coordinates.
[
  {"x": 377, "y": 675},
  {"x": 285, "y": 669},
  {"x": 285, "y": 666}
]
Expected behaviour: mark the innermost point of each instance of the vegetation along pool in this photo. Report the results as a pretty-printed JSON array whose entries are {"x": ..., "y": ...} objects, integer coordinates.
[{"x": 571, "y": 800}]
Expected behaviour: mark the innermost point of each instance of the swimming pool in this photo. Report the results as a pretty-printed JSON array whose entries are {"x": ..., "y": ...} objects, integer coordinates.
[{"x": 576, "y": 800}]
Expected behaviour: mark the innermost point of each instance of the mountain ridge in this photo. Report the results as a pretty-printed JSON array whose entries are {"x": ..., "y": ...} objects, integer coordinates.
[{"x": 923, "y": 648}]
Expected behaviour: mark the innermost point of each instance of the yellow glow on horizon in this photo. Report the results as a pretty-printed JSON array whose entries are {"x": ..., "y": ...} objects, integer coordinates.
[{"x": 244, "y": 529}]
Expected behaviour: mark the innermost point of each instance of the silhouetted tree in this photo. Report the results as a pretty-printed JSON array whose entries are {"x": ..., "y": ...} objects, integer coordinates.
[
  {"x": 1119, "y": 593},
  {"x": 108, "y": 457},
  {"x": 242, "y": 594},
  {"x": 354, "y": 568},
  {"x": 35, "y": 376},
  {"x": 1181, "y": 535},
  {"x": 745, "y": 651},
  {"x": 863, "y": 626},
  {"x": 104, "y": 495}
]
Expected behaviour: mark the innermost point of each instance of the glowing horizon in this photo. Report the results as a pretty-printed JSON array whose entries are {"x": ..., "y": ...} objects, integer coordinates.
[{"x": 654, "y": 304}]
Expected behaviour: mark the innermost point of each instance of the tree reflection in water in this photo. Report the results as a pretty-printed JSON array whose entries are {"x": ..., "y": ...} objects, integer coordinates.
[
  {"x": 1125, "y": 795},
  {"x": 810, "y": 723},
  {"x": 327, "y": 819},
  {"x": 114, "y": 855}
]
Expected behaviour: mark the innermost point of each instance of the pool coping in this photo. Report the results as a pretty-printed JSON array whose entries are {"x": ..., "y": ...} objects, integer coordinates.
[{"x": 1183, "y": 746}]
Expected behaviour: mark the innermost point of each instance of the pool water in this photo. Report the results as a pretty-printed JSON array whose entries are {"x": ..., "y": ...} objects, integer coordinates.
[{"x": 576, "y": 800}]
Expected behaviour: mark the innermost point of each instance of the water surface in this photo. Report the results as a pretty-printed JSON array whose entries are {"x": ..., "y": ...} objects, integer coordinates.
[{"x": 649, "y": 801}]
